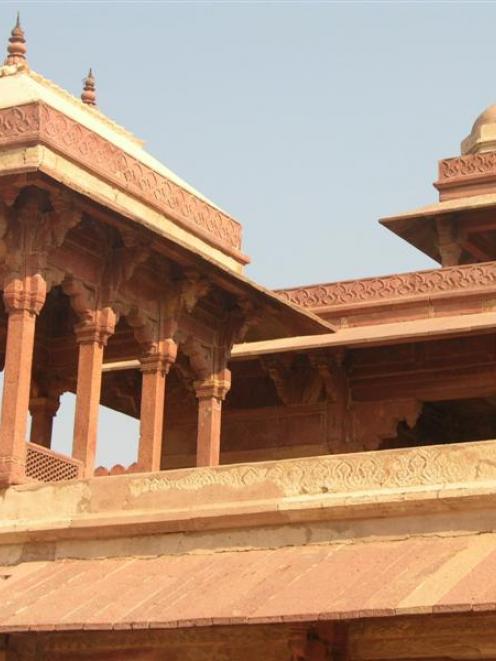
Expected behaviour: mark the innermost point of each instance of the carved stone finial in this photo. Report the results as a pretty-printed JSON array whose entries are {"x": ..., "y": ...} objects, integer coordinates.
[
  {"x": 17, "y": 45},
  {"x": 89, "y": 94}
]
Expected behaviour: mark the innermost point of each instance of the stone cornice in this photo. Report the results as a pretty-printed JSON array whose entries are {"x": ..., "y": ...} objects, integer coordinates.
[
  {"x": 400, "y": 287},
  {"x": 38, "y": 123}
]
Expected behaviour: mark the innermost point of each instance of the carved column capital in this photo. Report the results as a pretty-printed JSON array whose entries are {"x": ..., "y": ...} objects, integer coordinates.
[
  {"x": 217, "y": 386},
  {"x": 97, "y": 327},
  {"x": 47, "y": 404},
  {"x": 25, "y": 294},
  {"x": 161, "y": 359}
]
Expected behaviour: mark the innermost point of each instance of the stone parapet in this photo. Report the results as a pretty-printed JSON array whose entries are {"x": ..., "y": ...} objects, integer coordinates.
[
  {"x": 440, "y": 284},
  {"x": 470, "y": 174},
  {"x": 390, "y": 483}
]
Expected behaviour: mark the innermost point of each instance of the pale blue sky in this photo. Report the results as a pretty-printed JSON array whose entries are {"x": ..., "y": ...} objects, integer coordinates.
[{"x": 307, "y": 121}]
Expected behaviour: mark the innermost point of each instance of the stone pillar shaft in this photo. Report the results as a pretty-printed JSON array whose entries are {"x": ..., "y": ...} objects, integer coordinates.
[
  {"x": 92, "y": 337},
  {"x": 151, "y": 420},
  {"x": 154, "y": 370},
  {"x": 23, "y": 299},
  {"x": 210, "y": 394},
  {"x": 209, "y": 427},
  {"x": 43, "y": 410},
  {"x": 87, "y": 402}
]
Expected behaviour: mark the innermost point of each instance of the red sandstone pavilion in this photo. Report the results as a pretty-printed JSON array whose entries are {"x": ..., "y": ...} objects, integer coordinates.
[{"x": 320, "y": 481}]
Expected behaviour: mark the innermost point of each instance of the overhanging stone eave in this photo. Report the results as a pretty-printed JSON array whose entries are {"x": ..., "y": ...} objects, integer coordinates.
[
  {"x": 36, "y": 123},
  {"x": 446, "y": 206},
  {"x": 280, "y": 318},
  {"x": 418, "y": 330},
  {"x": 417, "y": 227},
  {"x": 37, "y": 156}
]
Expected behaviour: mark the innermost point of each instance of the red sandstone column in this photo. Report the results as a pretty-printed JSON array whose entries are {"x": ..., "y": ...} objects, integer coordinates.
[
  {"x": 154, "y": 370},
  {"x": 43, "y": 410},
  {"x": 210, "y": 394},
  {"x": 91, "y": 336},
  {"x": 23, "y": 299}
]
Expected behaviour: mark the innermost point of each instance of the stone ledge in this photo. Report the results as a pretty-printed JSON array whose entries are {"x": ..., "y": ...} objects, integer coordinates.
[{"x": 339, "y": 487}]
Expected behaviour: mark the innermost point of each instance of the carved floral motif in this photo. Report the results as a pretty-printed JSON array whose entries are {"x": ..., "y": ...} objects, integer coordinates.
[
  {"x": 45, "y": 124},
  {"x": 340, "y": 473},
  {"x": 471, "y": 165},
  {"x": 18, "y": 121},
  {"x": 403, "y": 285}
]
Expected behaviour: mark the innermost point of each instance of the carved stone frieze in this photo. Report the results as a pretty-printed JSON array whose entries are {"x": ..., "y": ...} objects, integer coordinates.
[
  {"x": 398, "y": 469},
  {"x": 470, "y": 166},
  {"x": 393, "y": 287},
  {"x": 41, "y": 123}
]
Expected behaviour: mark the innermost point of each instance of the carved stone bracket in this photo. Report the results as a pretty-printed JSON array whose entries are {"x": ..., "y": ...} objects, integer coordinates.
[
  {"x": 31, "y": 230},
  {"x": 201, "y": 357},
  {"x": 241, "y": 318},
  {"x": 306, "y": 381},
  {"x": 121, "y": 264},
  {"x": 96, "y": 319},
  {"x": 332, "y": 370},
  {"x": 448, "y": 246},
  {"x": 181, "y": 297},
  {"x": 372, "y": 422},
  {"x": 146, "y": 330}
]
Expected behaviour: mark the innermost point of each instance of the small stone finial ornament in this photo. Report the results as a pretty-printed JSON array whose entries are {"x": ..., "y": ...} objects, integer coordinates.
[
  {"x": 89, "y": 95},
  {"x": 17, "y": 45}
]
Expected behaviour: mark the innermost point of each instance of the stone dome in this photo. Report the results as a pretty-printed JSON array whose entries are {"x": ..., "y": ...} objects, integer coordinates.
[
  {"x": 482, "y": 137},
  {"x": 486, "y": 117}
]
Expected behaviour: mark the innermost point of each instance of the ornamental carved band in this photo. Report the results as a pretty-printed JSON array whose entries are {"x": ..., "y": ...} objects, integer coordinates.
[
  {"x": 405, "y": 285},
  {"x": 38, "y": 123},
  {"x": 396, "y": 469},
  {"x": 467, "y": 167}
]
